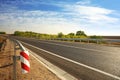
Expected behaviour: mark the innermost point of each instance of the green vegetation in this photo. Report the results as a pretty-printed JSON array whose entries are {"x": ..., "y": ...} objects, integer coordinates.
[
  {"x": 30, "y": 34},
  {"x": 79, "y": 34},
  {"x": 2, "y": 32},
  {"x": 60, "y": 35},
  {"x": 96, "y": 37}
]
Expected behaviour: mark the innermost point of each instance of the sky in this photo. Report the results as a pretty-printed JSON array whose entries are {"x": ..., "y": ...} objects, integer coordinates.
[{"x": 94, "y": 17}]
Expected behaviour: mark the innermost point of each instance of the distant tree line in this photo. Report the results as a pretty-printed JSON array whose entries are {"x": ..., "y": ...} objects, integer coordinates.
[
  {"x": 30, "y": 34},
  {"x": 2, "y": 32}
]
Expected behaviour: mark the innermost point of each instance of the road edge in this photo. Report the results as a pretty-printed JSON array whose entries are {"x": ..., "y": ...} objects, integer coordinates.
[{"x": 63, "y": 75}]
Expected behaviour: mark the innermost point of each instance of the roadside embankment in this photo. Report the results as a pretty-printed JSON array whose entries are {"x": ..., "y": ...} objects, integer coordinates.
[{"x": 37, "y": 70}]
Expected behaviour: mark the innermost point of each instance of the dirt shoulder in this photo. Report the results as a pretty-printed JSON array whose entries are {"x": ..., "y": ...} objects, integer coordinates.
[
  {"x": 37, "y": 70},
  {"x": 6, "y": 62}
]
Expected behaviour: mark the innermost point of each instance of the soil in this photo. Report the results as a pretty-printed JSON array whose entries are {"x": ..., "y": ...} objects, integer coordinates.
[{"x": 37, "y": 70}]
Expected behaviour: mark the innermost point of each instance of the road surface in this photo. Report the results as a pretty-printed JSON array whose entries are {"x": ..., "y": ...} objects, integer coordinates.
[{"x": 84, "y": 61}]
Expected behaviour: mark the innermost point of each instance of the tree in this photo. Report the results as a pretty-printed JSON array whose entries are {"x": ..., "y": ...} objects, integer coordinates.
[
  {"x": 60, "y": 35},
  {"x": 71, "y": 35},
  {"x": 80, "y": 33},
  {"x": 17, "y": 33},
  {"x": 2, "y": 32}
]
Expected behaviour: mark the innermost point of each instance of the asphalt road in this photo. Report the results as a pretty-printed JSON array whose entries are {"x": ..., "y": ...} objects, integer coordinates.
[{"x": 89, "y": 61}]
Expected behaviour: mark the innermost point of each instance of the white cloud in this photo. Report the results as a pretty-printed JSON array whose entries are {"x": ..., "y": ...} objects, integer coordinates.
[
  {"x": 91, "y": 13},
  {"x": 40, "y": 21},
  {"x": 73, "y": 17},
  {"x": 85, "y": 2}
]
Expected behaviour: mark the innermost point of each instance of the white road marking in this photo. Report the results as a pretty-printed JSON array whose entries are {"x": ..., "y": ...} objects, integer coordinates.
[
  {"x": 86, "y": 66},
  {"x": 59, "y": 72}
]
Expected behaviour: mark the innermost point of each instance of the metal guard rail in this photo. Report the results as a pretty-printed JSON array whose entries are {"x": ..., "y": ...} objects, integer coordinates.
[
  {"x": 19, "y": 44},
  {"x": 15, "y": 57},
  {"x": 87, "y": 39}
]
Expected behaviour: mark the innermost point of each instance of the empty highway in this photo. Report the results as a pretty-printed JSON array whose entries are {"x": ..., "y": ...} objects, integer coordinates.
[{"x": 84, "y": 61}]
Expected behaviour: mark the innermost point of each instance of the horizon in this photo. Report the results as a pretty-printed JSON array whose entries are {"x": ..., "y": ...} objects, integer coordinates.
[
  {"x": 64, "y": 34},
  {"x": 94, "y": 17}
]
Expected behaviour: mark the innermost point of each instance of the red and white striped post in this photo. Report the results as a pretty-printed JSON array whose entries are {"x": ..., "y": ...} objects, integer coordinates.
[{"x": 24, "y": 58}]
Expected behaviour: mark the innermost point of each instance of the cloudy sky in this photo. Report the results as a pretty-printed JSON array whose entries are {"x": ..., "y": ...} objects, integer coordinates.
[{"x": 95, "y": 17}]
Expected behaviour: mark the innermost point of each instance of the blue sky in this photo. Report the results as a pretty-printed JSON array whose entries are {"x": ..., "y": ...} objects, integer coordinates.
[{"x": 95, "y": 17}]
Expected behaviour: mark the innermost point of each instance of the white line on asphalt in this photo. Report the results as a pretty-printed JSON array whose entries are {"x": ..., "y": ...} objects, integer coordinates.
[
  {"x": 86, "y": 66},
  {"x": 56, "y": 70}
]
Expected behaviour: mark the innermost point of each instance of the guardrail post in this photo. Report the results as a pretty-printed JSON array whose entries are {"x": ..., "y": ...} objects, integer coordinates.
[
  {"x": 14, "y": 63},
  {"x": 15, "y": 58},
  {"x": 88, "y": 41},
  {"x": 14, "y": 67},
  {"x": 80, "y": 40},
  {"x": 97, "y": 41}
]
